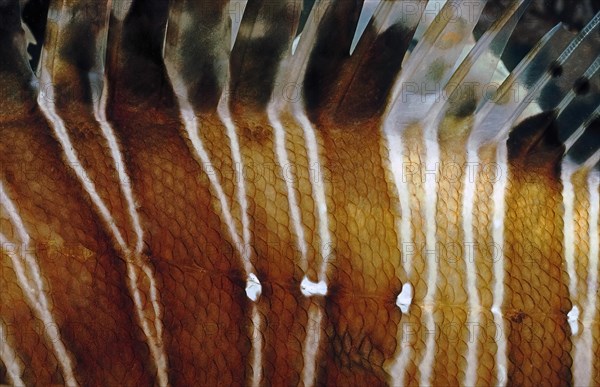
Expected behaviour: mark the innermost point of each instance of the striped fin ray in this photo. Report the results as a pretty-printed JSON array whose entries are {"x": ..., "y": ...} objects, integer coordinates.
[
  {"x": 467, "y": 86},
  {"x": 538, "y": 138},
  {"x": 72, "y": 70},
  {"x": 432, "y": 62},
  {"x": 536, "y": 73},
  {"x": 577, "y": 133}
]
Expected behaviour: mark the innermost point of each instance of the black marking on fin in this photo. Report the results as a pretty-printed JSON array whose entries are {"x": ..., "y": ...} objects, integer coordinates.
[
  {"x": 134, "y": 58},
  {"x": 328, "y": 55},
  {"x": 265, "y": 36},
  {"x": 17, "y": 97},
  {"x": 587, "y": 145},
  {"x": 376, "y": 62},
  {"x": 198, "y": 39},
  {"x": 535, "y": 142}
]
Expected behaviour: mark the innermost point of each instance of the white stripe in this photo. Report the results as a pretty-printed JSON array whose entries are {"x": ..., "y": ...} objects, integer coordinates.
[
  {"x": 584, "y": 360},
  {"x": 192, "y": 128},
  {"x": 124, "y": 180},
  {"x": 283, "y": 160},
  {"x": 318, "y": 187},
  {"x": 395, "y": 153},
  {"x": 313, "y": 336},
  {"x": 14, "y": 215},
  {"x": 568, "y": 194},
  {"x": 36, "y": 298},
  {"x": 34, "y": 290},
  {"x": 431, "y": 164},
  {"x": 236, "y": 154},
  {"x": 155, "y": 343},
  {"x": 47, "y": 107},
  {"x": 499, "y": 192},
  {"x": 469, "y": 188},
  {"x": 45, "y": 101},
  {"x": 13, "y": 365},
  {"x": 311, "y": 345},
  {"x": 257, "y": 346},
  {"x": 253, "y": 286}
]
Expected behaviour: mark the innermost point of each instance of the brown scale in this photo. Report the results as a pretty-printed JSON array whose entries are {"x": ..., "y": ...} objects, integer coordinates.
[
  {"x": 81, "y": 272},
  {"x": 537, "y": 299},
  {"x": 208, "y": 332},
  {"x": 487, "y": 254},
  {"x": 364, "y": 271}
]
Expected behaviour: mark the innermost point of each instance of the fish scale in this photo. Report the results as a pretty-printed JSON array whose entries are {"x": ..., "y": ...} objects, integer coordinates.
[{"x": 183, "y": 208}]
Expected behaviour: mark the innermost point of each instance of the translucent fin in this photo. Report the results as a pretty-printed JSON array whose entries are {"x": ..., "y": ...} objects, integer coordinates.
[
  {"x": 580, "y": 104},
  {"x": 465, "y": 89},
  {"x": 236, "y": 13},
  {"x": 328, "y": 54},
  {"x": 368, "y": 10},
  {"x": 491, "y": 118},
  {"x": 200, "y": 58},
  {"x": 262, "y": 43},
  {"x": 299, "y": 62},
  {"x": 585, "y": 146},
  {"x": 538, "y": 137},
  {"x": 365, "y": 81},
  {"x": 433, "y": 61},
  {"x": 595, "y": 115}
]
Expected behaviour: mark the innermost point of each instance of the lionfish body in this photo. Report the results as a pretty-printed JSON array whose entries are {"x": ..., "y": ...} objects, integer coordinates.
[{"x": 202, "y": 193}]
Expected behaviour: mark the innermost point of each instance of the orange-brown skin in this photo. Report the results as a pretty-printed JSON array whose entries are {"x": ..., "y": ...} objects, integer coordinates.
[
  {"x": 199, "y": 278},
  {"x": 208, "y": 330}
]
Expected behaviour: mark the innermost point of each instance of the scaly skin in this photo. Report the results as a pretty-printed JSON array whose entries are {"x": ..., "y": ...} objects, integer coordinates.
[{"x": 208, "y": 333}]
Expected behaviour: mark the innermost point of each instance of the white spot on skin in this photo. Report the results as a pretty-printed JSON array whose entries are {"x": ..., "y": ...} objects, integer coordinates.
[
  {"x": 253, "y": 287},
  {"x": 310, "y": 288},
  {"x": 405, "y": 297},
  {"x": 573, "y": 318}
]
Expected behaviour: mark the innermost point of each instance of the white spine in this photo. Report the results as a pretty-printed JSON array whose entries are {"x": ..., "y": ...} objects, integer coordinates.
[
  {"x": 469, "y": 188},
  {"x": 498, "y": 196},
  {"x": 432, "y": 161},
  {"x": 584, "y": 359}
]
